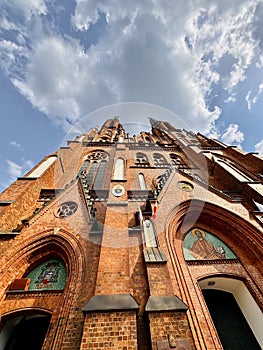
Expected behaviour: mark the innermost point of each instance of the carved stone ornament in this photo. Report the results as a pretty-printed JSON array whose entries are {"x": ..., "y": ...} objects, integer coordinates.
[
  {"x": 185, "y": 186},
  {"x": 66, "y": 209},
  {"x": 96, "y": 155}
]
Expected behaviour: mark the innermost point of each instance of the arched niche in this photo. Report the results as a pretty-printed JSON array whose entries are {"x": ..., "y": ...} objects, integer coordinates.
[
  {"x": 175, "y": 159},
  {"x": 141, "y": 158},
  {"x": 159, "y": 159},
  {"x": 39, "y": 247},
  {"x": 119, "y": 171},
  {"x": 149, "y": 234},
  {"x": 238, "y": 234},
  {"x": 235, "y": 232},
  {"x": 142, "y": 182}
]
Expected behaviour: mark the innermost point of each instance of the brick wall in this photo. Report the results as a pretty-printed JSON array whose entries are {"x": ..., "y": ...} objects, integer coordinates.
[
  {"x": 165, "y": 324},
  {"x": 110, "y": 330}
]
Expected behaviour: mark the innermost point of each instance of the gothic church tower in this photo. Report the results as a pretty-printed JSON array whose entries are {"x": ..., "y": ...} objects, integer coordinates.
[{"x": 146, "y": 242}]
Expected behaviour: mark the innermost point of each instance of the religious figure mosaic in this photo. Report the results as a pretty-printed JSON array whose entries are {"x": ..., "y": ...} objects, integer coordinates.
[{"x": 202, "y": 245}]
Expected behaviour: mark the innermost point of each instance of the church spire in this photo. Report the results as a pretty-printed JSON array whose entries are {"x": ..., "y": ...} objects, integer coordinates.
[{"x": 153, "y": 122}]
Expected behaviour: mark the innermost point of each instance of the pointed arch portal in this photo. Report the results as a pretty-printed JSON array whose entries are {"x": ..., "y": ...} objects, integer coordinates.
[{"x": 25, "y": 331}]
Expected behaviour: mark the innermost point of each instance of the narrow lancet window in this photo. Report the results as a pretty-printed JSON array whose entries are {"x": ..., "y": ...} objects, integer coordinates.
[
  {"x": 100, "y": 175},
  {"x": 149, "y": 235},
  {"x": 142, "y": 182},
  {"x": 119, "y": 169}
]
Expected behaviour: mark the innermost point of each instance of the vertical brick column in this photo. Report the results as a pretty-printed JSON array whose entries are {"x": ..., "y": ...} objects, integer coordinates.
[
  {"x": 114, "y": 273},
  {"x": 110, "y": 323},
  {"x": 169, "y": 325}
]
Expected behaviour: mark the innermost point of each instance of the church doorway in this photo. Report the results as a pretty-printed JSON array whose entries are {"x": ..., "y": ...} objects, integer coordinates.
[
  {"x": 236, "y": 316},
  {"x": 27, "y": 332}
]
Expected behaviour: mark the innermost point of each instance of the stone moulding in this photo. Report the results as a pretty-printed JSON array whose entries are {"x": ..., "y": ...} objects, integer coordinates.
[{"x": 165, "y": 303}]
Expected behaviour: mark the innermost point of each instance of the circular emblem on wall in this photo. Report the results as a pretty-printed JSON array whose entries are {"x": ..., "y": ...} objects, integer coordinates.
[
  {"x": 118, "y": 190},
  {"x": 66, "y": 209},
  {"x": 185, "y": 186}
]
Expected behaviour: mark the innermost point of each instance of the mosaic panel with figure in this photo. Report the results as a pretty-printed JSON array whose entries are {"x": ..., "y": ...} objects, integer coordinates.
[{"x": 202, "y": 245}]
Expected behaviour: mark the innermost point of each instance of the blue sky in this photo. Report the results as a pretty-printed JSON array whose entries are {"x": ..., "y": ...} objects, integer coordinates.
[{"x": 61, "y": 60}]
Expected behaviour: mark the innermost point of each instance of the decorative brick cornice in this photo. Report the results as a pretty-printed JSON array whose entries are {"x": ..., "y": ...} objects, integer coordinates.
[
  {"x": 213, "y": 262},
  {"x": 22, "y": 294}
]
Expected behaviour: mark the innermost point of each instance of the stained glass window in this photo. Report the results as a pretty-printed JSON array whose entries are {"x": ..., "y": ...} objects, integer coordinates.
[{"x": 50, "y": 275}]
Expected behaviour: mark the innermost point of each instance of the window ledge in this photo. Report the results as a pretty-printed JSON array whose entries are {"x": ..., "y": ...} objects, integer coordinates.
[
  {"x": 118, "y": 180},
  {"x": 6, "y": 203},
  {"x": 154, "y": 255},
  {"x": 29, "y": 293},
  {"x": 9, "y": 233}
]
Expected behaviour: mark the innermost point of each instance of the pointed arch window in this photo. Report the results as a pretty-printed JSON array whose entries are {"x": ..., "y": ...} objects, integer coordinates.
[
  {"x": 94, "y": 168},
  {"x": 91, "y": 172},
  {"x": 50, "y": 275},
  {"x": 84, "y": 167},
  {"x": 100, "y": 175},
  {"x": 141, "y": 158},
  {"x": 175, "y": 159},
  {"x": 119, "y": 169},
  {"x": 158, "y": 159},
  {"x": 142, "y": 182}
]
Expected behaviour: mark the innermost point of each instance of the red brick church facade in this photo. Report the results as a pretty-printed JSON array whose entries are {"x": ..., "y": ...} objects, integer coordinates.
[{"x": 134, "y": 242}]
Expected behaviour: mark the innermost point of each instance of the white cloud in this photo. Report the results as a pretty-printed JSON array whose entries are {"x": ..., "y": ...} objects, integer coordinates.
[
  {"x": 16, "y": 170},
  {"x": 10, "y": 56},
  {"x": 231, "y": 98},
  {"x": 259, "y": 147},
  {"x": 16, "y": 144},
  {"x": 153, "y": 52},
  {"x": 253, "y": 100},
  {"x": 27, "y": 7},
  {"x": 5, "y": 24},
  {"x": 232, "y": 135}
]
